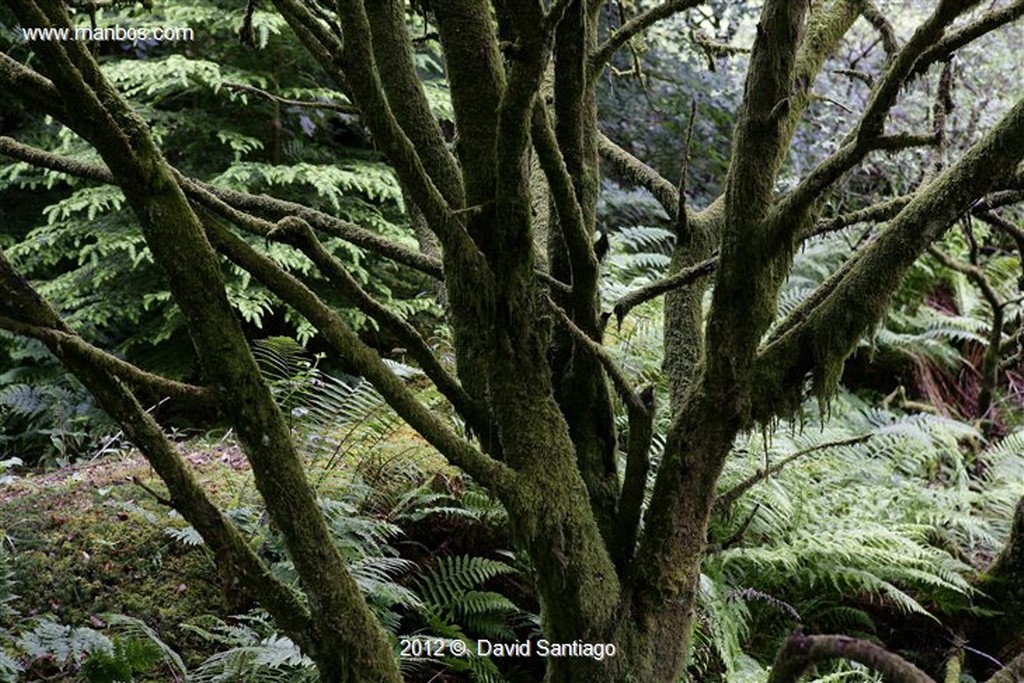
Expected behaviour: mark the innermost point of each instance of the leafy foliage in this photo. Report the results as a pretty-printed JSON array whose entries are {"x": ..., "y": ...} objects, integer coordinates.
[
  {"x": 46, "y": 647},
  {"x": 852, "y": 518},
  {"x": 46, "y": 417},
  {"x": 253, "y": 652},
  {"x": 82, "y": 247},
  {"x": 451, "y": 595}
]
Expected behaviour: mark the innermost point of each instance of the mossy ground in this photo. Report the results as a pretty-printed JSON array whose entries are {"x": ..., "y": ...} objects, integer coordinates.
[{"x": 91, "y": 539}]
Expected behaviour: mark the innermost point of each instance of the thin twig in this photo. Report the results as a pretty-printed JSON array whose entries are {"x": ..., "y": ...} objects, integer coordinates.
[
  {"x": 163, "y": 500},
  {"x": 726, "y": 499},
  {"x": 331, "y": 106},
  {"x": 634, "y": 26}
]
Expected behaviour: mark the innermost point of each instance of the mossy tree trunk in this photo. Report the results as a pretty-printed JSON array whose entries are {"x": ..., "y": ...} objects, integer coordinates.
[
  {"x": 1002, "y": 634},
  {"x": 532, "y": 380}
]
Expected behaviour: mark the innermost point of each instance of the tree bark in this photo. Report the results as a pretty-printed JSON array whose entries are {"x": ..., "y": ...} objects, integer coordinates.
[{"x": 1002, "y": 635}]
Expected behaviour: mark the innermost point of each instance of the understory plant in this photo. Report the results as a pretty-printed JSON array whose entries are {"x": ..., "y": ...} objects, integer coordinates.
[{"x": 502, "y": 190}]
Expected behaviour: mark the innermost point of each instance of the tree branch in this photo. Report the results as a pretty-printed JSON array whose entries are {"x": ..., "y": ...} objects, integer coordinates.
[
  {"x": 813, "y": 186},
  {"x": 622, "y": 383},
  {"x": 990, "y": 361},
  {"x": 875, "y": 213},
  {"x": 681, "y": 217},
  {"x": 624, "y": 33},
  {"x": 364, "y": 360},
  {"x": 643, "y": 294},
  {"x": 726, "y": 499},
  {"x": 298, "y": 233},
  {"x": 876, "y": 18},
  {"x": 888, "y": 209},
  {"x": 583, "y": 266},
  {"x": 800, "y": 652},
  {"x": 1004, "y": 226},
  {"x": 393, "y": 56},
  {"x": 901, "y": 66},
  {"x": 59, "y": 341},
  {"x": 634, "y": 481},
  {"x": 355, "y": 56},
  {"x": 640, "y": 174},
  {"x": 265, "y": 205},
  {"x": 987, "y": 23},
  {"x": 30, "y": 86},
  {"x": 303, "y": 104},
  {"x": 819, "y": 335}
]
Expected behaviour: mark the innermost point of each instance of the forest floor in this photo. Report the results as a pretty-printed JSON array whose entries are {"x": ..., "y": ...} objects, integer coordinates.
[{"x": 95, "y": 538}]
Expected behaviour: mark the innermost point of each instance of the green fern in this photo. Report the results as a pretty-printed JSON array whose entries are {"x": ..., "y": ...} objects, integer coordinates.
[
  {"x": 333, "y": 418},
  {"x": 254, "y": 653},
  {"x": 450, "y": 592},
  {"x": 122, "y": 663},
  {"x": 65, "y": 646},
  {"x": 639, "y": 254}
]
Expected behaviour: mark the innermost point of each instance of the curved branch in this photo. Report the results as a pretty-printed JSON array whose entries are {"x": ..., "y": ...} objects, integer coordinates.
[
  {"x": 800, "y": 652},
  {"x": 30, "y": 86},
  {"x": 366, "y": 362},
  {"x": 60, "y": 342},
  {"x": 55, "y": 162},
  {"x": 888, "y": 209},
  {"x": 624, "y": 33},
  {"x": 298, "y": 233},
  {"x": 641, "y": 174},
  {"x": 902, "y": 65},
  {"x": 819, "y": 335},
  {"x": 288, "y": 102},
  {"x": 265, "y": 205},
  {"x": 987, "y": 23},
  {"x": 295, "y": 231},
  {"x": 870, "y": 214},
  {"x": 793, "y": 206},
  {"x": 276, "y": 209},
  {"x": 622, "y": 383},
  {"x": 876, "y": 18},
  {"x": 725, "y": 500}
]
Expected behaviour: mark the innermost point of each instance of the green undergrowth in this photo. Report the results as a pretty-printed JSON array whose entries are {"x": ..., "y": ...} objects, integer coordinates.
[
  {"x": 91, "y": 539},
  {"x": 95, "y": 539}
]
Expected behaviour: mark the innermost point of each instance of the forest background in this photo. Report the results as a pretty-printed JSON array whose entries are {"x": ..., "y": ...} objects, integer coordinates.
[{"x": 873, "y": 501}]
